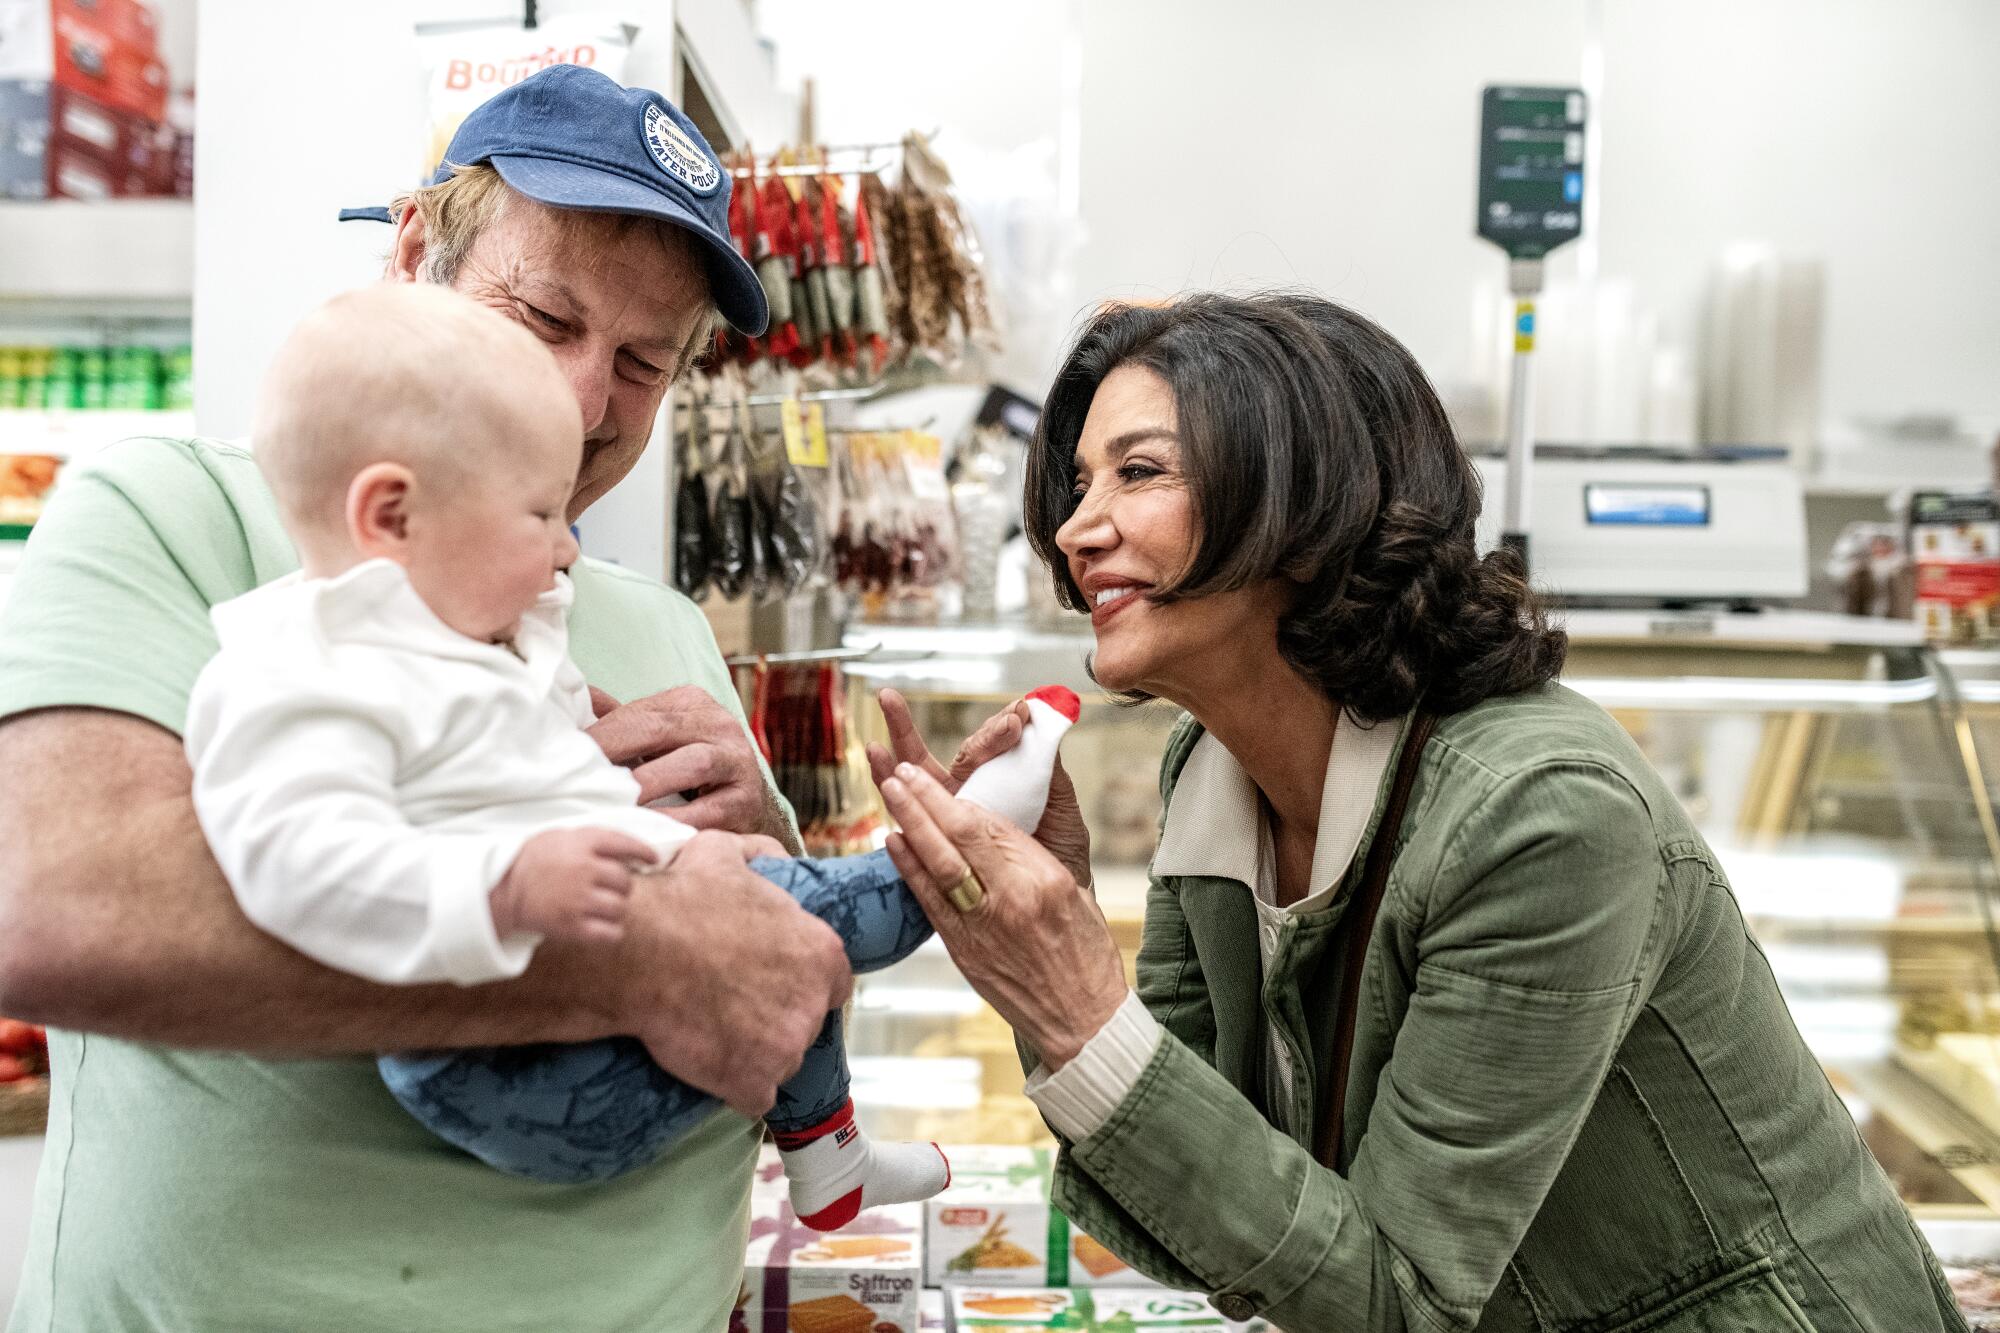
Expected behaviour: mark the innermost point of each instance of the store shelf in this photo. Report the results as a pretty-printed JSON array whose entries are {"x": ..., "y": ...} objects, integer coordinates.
[
  {"x": 1778, "y": 628},
  {"x": 73, "y": 435},
  {"x": 133, "y": 250},
  {"x": 1697, "y": 657}
]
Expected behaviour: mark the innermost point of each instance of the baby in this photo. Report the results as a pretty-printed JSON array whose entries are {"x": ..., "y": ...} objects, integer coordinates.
[{"x": 391, "y": 767}]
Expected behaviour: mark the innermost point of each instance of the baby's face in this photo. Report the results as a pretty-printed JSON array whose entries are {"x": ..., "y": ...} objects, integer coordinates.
[{"x": 487, "y": 549}]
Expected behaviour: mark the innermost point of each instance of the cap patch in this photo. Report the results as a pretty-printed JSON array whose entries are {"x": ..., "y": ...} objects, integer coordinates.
[{"x": 678, "y": 154}]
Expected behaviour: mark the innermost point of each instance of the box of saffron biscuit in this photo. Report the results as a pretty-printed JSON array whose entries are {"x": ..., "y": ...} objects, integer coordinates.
[
  {"x": 995, "y": 1226},
  {"x": 864, "y": 1278}
]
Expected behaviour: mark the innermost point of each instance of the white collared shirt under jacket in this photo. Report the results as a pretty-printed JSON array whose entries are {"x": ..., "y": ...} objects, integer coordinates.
[
  {"x": 366, "y": 775},
  {"x": 1218, "y": 826}
]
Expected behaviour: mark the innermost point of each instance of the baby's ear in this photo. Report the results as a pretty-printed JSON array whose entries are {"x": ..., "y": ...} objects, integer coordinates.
[{"x": 378, "y": 509}]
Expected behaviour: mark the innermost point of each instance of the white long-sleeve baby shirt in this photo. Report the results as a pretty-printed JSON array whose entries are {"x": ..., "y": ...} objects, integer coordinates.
[{"x": 365, "y": 774}]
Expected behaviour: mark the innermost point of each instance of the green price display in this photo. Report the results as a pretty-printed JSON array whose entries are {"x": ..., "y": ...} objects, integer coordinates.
[{"x": 1531, "y": 168}]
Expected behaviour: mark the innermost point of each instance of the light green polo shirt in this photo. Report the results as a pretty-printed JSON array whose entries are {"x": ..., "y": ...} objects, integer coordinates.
[{"x": 206, "y": 1193}]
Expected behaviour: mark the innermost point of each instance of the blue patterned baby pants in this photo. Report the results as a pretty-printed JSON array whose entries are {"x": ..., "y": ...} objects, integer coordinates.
[{"x": 594, "y": 1110}]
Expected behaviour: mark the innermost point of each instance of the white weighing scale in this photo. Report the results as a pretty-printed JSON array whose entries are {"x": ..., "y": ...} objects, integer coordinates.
[
  {"x": 1612, "y": 526},
  {"x": 1657, "y": 527}
]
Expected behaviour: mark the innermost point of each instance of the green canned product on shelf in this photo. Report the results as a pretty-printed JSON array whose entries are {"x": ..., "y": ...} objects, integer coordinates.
[
  {"x": 35, "y": 378},
  {"x": 177, "y": 394},
  {"x": 92, "y": 386},
  {"x": 10, "y": 378},
  {"x": 117, "y": 380},
  {"x": 123, "y": 393},
  {"x": 151, "y": 378},
  {"x": 63, "y": 387}
]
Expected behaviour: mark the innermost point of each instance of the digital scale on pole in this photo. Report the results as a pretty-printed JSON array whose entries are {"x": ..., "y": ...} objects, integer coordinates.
[{"x": 1618, "y": 524}]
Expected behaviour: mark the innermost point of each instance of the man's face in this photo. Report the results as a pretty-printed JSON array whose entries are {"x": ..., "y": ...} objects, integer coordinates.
[{"x": 616, "y": 302}]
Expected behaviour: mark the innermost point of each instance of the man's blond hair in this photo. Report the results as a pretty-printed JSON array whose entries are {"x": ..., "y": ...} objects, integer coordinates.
[
  {"x": 455, "y": 211},
  {"x": 464, "y": 204}
]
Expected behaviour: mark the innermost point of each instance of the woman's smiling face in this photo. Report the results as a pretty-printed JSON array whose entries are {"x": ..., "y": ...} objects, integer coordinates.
[{"x": 1135, "y": 528}]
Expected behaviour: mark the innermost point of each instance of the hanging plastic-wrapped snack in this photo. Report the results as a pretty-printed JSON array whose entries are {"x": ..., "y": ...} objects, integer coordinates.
[
  {"x": 845, "y": 544},
  {"x": 755, "y": 447},
  {"x": 777, "y": 247},
  {"x": 810, "y": 213},
  {"x": 885, "y": 213},
  {"x": 928, "y": 306},
  {"x": 691, "y": 520},
  {"x": 936, "y": 528},
  {"x": 913, "y": 544},
  {"x": 804, "y": 257},
  {"x": 958, "y": 254},
  {"x": 871, "y": 310},
  {"x": 743, "y": 235},
  {"x": 729, "y": 549},
  {"x": 837, "y": 253},
  {"x": 792, "y": 525},
  {"x": 864, "y": 556}
]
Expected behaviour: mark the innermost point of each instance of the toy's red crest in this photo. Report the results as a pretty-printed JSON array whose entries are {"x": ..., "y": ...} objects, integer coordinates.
[{"x": 1061, "y": 698}]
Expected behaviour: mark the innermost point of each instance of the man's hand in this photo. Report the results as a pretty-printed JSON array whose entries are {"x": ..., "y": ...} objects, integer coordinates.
[
  {"x": 732, "y": 980},
  {"x": 682, "y": 742},
  {"x": 569, "y": 884}
]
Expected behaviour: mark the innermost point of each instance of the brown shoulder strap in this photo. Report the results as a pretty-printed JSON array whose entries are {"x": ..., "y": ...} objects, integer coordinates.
[{"x": 1361, "y": 924}]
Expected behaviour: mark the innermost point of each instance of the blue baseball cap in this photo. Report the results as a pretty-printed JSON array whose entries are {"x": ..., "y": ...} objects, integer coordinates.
[{"x": 571, "y": 137}]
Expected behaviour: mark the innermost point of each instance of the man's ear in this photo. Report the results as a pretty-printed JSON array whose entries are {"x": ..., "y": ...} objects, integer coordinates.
[
  {"x": 378, "y": 510},
  {"x": 406, "y": 257}
]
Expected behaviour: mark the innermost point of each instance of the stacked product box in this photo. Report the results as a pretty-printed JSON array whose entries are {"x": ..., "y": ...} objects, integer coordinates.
[
  {"x": 995, "y": 1226},
  {"x": 83, "y": 101},
  {"x": 25, "y": 483},
  {"x": 1955, "y": 555},
  {"x": 866, "y": 1277},
  {"x": 1086, "y": 1310},
  {"x": 24, "y": 138},
  {"x": 881, "y": 1274}
]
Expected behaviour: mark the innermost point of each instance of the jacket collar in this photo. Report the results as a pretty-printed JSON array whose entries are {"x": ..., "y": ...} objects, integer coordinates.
[
  {"x": 1215, "y": 822},
  {"x": 374, "y": 605}
]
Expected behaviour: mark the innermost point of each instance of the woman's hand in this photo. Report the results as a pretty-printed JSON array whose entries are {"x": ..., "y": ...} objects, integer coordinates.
[
  {"x": 1062, "y": 829},
  {"x": 1036, "y": 947}
]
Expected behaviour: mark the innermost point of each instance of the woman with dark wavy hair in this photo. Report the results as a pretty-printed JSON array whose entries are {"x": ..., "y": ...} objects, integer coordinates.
[{"x": 1446, "y": 1018}]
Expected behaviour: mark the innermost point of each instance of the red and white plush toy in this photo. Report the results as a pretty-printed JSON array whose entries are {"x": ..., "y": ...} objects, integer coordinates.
[{"x": 1016, "y": 784}]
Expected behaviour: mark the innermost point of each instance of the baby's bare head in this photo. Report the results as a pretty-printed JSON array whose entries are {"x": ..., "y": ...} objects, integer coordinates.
[{"x": 411, "y": 374}]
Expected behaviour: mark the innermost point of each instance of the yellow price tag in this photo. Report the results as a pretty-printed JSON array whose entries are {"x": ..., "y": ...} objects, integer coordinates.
[
  {"x": 792, "y": 423},
  {"x": 813, "y": 453}
]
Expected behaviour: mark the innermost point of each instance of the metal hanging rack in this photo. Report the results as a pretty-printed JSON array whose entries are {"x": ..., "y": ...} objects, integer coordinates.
[
  {"x": 811, "y": 169},
  {"x": 856, "y": 395},
  {"x": 829, "y": 169},
  {"x": 805, "y": 657}
]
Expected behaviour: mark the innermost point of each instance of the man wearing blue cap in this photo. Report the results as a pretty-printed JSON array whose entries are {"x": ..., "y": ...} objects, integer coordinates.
[{"x": 221, "y": 1154}]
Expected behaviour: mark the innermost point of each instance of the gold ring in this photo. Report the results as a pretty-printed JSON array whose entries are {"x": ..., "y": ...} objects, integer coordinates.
[{"x": 968, "y": 893}]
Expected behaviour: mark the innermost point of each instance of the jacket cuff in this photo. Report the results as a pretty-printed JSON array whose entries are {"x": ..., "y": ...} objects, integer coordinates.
[
  {"x": 468, "y": 949},
  {"x": 1077, "y": 1099}
]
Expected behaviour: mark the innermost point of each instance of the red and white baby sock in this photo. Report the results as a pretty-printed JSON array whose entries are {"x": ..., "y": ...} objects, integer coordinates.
[{"x": 834, "y": 1170}]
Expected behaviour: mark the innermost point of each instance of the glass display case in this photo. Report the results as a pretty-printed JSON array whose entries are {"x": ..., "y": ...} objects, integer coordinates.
[{"x": 1835, "y": 765}]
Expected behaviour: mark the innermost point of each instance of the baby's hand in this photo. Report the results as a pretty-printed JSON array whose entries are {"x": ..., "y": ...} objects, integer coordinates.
[{"x": 570, "y": 884}]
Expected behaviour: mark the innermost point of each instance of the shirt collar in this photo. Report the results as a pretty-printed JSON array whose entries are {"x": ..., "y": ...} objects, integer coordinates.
[
  {"x": 1215, "y": 822},
  {"x": 375, "y": 605}
]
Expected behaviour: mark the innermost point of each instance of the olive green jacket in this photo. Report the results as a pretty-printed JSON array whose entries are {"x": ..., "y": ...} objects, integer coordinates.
[{"x": 1577, "y": 1100}]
